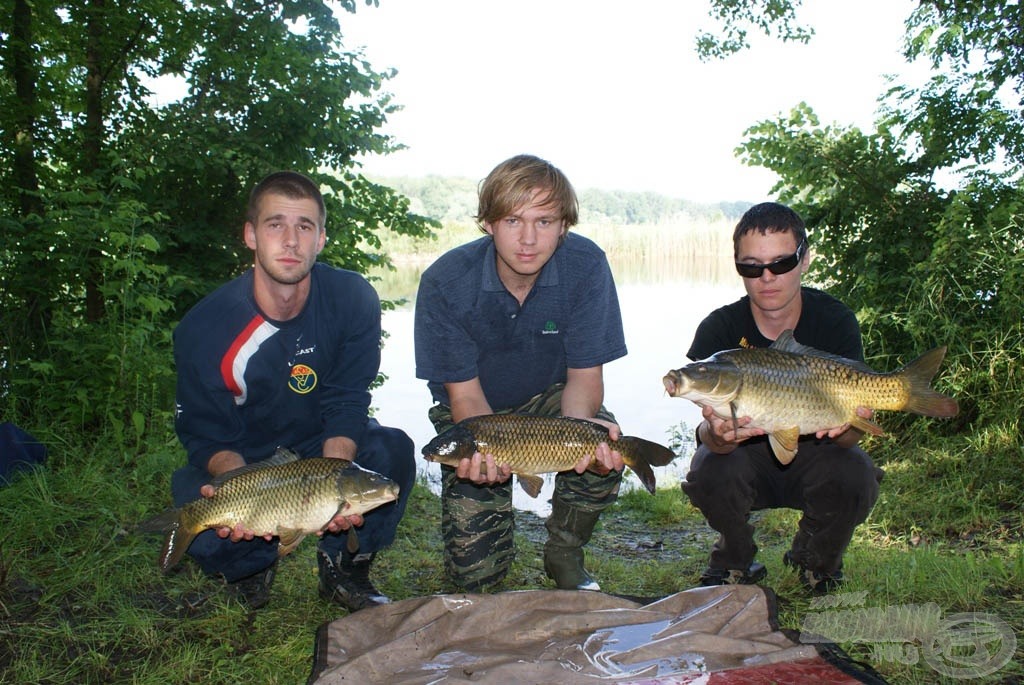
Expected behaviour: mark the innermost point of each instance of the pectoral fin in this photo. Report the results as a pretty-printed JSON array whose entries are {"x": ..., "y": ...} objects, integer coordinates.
[
  {"x": 289, "y": 540},
  {"x": 866, "y": 426},
  {"x": 531, "y": 484},
  {"x": 784, "y": 443}
]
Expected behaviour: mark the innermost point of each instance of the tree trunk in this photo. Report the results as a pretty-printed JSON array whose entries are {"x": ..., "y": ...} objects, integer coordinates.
[{"x": 92, "y": 141}]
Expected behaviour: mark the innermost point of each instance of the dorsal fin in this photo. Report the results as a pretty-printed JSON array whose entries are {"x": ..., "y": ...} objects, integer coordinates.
[
  {"x": 787, "y": 343},
  {"x": 281, "y": 456}
]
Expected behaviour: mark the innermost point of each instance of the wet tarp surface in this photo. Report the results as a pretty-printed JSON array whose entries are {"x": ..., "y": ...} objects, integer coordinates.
[{"x": 723, "y": 634}]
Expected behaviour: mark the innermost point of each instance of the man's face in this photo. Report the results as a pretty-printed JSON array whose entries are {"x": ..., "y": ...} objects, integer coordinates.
[
  {"x": 286, "y": 237},
  {"x": 526, "y": 238},
  {"x": 771, "y": 292}
]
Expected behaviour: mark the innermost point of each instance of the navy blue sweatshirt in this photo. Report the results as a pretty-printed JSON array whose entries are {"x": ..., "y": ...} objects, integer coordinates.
[{"x": 250, "y": 384}]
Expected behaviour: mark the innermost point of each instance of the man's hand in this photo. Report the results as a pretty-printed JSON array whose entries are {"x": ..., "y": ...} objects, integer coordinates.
[
  {"x": 846, "y": 435},
  {"x": 722, "y": 435},
  {"x": 605, "y": 459},
  {"x": 239, "y": 532},
  {"x": 482, "y": 470},
  {"x": 342, "y": 522}
]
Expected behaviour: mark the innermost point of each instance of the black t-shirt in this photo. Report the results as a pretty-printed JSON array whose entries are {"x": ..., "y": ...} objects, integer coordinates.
[{"x": 825, "y": 324}]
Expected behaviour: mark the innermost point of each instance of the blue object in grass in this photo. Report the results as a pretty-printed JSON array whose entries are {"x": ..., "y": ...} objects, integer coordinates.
[{"x": 18, "y": 451}]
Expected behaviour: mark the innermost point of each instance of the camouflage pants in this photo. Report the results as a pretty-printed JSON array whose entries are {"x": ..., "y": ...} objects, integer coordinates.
[{"x": 477, "y": 522}]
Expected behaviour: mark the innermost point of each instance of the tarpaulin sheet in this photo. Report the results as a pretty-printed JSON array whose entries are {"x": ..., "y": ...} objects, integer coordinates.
[{"x": 723, "y": 634}]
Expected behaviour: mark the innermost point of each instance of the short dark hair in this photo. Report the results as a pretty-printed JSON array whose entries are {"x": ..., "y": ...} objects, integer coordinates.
[
  {"x": 291, "y": 184},
  {"x": 769, "y": 217},
  {"x": 512, "y": 183}
]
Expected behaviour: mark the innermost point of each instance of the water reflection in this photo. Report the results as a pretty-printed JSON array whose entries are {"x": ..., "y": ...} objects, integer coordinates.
[{"x": 662, "y": 300}]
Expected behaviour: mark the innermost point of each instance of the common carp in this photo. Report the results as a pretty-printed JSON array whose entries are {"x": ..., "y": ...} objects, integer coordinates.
[
  {"x": 790, "y": 390},
  {"x": 283, "y": 496},
  {"x": 532, "y": 445}
]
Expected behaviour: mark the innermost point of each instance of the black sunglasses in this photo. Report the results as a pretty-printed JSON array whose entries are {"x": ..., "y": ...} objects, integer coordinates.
[{"x": 778, "y": 267}]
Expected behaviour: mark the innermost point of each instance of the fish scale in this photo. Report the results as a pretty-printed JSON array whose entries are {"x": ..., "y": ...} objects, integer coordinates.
[{"x": 301, "y": 494}]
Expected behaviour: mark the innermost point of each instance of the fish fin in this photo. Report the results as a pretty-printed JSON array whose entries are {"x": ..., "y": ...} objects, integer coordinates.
[
  {"x": 640, "y": 455},
  {"x": 784, "y": 443},
  {"x": 161, "y": 523},
  {"x": 289, "y": 540},
  {"x": 177, "y": 541},
  {"x": 353, "y": 541},
  {"x": 866, "y": 426},
  {"x": 281, "y": 456},
  {"x": 530, "y": 483},
  {"x": 787, "y": 343},
  {"x": 923, "y": 400}
]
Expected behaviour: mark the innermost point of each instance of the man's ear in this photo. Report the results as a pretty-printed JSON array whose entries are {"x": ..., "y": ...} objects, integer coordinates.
[{"x": 249, "y": 235}]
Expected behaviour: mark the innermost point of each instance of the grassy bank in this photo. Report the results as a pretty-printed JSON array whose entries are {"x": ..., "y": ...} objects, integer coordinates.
[{"x": 82, "y": 601}]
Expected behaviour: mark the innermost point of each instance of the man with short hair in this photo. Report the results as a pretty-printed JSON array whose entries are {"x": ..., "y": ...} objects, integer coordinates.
[
  {"x": 521, "y": 320},
  {"x": 733, "y": 472},
  {"x": 283, "y": 356}
]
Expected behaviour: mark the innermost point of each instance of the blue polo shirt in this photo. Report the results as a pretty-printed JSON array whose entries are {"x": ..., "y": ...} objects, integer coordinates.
[{"x": 468, "y": 325}]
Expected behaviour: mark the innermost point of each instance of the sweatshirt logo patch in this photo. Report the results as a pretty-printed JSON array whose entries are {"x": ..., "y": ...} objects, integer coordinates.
[{"x": 302, "y": 379}]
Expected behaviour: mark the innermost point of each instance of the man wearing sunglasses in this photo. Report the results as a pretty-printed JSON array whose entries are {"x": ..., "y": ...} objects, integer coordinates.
[{"x": 733, "y": 472}]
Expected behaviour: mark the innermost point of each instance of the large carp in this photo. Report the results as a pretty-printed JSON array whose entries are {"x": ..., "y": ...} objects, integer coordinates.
[
  {"x": 532, "y": 445},
  {"x": 283, "y": 496},
  {"x": 790, "y": 390}
]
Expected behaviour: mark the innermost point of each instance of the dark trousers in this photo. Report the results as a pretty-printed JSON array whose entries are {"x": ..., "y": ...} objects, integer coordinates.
[
  {"x": 834, "y": 487},
  {"x": 388, "y": 451}
]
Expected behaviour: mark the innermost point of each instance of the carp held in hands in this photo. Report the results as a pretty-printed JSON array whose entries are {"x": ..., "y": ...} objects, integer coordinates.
[
  {"x": 283, "y": 496},
  {"x": 790, "y": 390}
]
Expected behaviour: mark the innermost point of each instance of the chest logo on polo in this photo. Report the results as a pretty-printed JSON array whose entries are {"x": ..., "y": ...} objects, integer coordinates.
[
  {"x": 550, "y": 328},
  {"x": 302, "y": 379}
]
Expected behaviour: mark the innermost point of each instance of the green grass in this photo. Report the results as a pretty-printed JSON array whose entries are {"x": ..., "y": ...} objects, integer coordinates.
[{"x": 82, "y": 600}]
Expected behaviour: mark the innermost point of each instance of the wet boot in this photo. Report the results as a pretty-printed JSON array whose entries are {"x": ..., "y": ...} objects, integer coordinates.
[
  {"x": 569, "y": 528},
  {"x": 345, "y": 580}
]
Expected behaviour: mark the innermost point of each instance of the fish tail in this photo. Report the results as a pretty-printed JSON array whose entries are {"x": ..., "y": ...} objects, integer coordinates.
[
  {"x": 640, "y": 455},
  {"x": 179, "y": 537},
  {"x": 922, "y": 398},
  {"x": 161, "y": 523}
]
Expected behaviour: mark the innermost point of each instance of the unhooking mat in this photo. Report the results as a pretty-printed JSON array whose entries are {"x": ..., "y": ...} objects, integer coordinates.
[{"x": 715, "y": 635}]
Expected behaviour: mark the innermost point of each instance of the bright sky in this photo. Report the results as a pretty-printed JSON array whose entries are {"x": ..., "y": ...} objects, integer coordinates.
[{"x": 610, "y": 91}]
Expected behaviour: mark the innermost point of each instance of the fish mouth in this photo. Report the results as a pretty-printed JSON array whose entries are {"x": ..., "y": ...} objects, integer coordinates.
[{"x": 673, "y": 383}]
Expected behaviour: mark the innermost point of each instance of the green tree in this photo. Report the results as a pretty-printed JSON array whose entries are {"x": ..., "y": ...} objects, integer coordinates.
[{"x": 120, "y": 211}]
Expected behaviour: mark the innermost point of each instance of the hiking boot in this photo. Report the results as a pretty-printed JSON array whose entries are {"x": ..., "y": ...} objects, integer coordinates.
[
  {"x": 818, "y": 582},
  {"x": 254, "y": 591},
  {"x": 345, "y": 580},
  {"x": 732, "y": 576},
  {"x": 569, "y": 528}
]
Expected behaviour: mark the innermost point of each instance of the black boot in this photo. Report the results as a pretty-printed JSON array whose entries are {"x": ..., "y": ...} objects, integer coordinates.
[
  {"x": 569, "y": 528},
  {"x": 345, "y": 580},
  {"x": 254, "y": 591}
]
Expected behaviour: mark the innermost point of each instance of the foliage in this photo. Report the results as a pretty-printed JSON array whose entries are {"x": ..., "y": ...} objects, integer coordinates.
[
  {"x": 454, "y": 200},
  {"x": 120, "y": 210},
  {"x": 923, "y": 264},
  {"x": 736, "y": 17}
]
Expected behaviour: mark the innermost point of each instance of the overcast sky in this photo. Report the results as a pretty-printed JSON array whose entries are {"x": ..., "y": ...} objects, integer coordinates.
[{"x": 610, "y": 91}]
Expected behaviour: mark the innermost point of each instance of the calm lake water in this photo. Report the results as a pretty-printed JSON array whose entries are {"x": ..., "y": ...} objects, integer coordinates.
[{"x": 662, "y": 301}]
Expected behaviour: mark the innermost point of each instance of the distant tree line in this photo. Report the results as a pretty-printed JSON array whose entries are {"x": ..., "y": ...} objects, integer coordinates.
[{"x": 454, "y": 199}]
